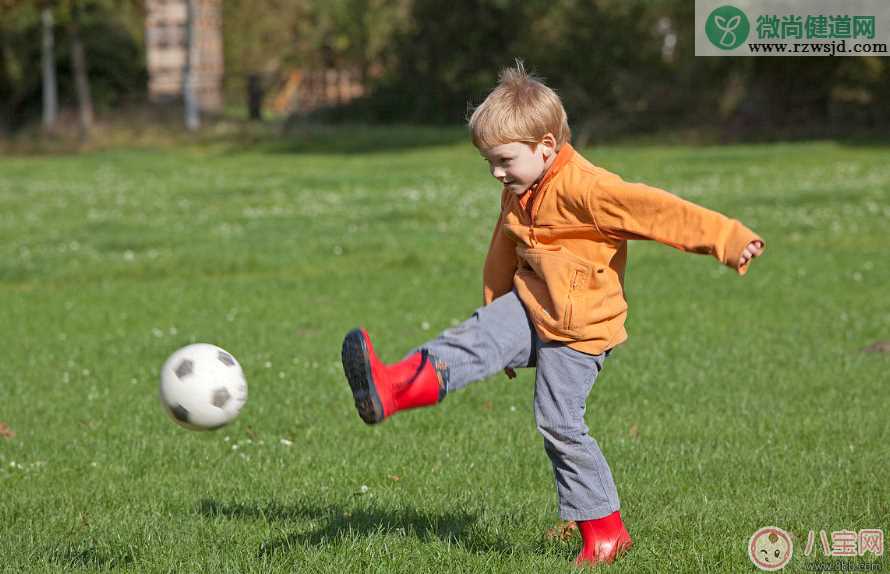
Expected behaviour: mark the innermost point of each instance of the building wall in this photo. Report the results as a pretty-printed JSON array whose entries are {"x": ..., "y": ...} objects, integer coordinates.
[{"x": 166, "y": 49}]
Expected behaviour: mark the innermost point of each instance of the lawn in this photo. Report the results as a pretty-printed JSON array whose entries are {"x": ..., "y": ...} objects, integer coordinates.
[{"x": 736, "y": 403}]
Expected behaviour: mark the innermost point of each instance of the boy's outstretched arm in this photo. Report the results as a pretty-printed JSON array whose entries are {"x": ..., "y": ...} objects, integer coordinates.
[{"x": 623, "y": 210}]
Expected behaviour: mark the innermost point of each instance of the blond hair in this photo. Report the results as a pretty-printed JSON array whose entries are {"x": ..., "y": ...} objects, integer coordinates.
[{"x": 519, "y": 109}]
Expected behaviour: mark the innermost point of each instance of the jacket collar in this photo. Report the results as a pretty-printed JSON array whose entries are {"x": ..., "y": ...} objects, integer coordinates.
[{"x": 566, "y": 153}]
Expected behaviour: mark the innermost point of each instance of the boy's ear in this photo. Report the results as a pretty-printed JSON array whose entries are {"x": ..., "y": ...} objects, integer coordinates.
[{"x": 550, "y": 141}]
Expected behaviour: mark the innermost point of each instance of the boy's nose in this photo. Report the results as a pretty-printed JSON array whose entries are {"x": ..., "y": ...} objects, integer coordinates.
[{"x": 498, "y": 172}]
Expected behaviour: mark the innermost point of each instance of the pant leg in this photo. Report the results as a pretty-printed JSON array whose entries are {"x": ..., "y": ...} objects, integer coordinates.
[
  {"x": 584, "y": 484},
  {"x": 497, "y": 335}
]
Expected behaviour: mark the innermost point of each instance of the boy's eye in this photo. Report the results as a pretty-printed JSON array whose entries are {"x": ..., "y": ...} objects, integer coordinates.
[{"x": 502, "y": 161}]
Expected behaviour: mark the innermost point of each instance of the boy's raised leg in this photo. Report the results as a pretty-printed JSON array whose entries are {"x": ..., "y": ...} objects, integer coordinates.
[
  {"x": 497, "y": 335},
  {"x": 381, "y": 390}
]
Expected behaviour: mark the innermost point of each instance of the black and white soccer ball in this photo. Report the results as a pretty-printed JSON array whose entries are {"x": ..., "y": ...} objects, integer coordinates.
[{"x": 202, "y": 387}]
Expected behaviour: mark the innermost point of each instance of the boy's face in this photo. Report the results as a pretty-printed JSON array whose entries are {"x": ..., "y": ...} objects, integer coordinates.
[{"x": 519, "y": 165}]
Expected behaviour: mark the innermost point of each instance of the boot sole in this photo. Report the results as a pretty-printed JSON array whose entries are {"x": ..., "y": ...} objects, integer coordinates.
[{"x": 357, "y": 367}]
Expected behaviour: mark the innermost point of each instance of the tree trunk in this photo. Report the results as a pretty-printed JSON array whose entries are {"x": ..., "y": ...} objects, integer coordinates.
[
  {"x": 254, "y": 97},
  {"x": 50, "y": 87},
  {"x": 189, "y": 79},
  {"x": 81, "y": 80}
]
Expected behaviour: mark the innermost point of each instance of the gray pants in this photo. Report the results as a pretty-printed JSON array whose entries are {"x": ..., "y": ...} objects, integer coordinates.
[{"x": 500, "y": 335}]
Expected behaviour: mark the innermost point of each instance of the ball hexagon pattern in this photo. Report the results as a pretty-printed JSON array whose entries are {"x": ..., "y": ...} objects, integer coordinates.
[{"x": 202, "y": 387}]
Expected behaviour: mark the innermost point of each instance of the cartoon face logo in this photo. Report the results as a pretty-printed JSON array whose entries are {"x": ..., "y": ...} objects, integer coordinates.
[{"x": 770, "y": 548}]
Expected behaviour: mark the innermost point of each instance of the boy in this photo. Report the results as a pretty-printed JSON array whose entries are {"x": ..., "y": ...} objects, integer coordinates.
[{"x": 553, "y": 292}]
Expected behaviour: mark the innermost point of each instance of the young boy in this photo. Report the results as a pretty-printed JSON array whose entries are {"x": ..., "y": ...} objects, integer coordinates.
[{"x": 553, "y": 287}]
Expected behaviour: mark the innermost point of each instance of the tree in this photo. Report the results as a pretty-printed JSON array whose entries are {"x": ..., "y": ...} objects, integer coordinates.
[
  {"x": 260, "y": 36},
  {"x": 79, "y": 67},
  {"x": 449, "y": 56},
  {"x": 268, "y": 39},
  {"x": 50, "y": 86},
  {"x": 189, "y": 77}
]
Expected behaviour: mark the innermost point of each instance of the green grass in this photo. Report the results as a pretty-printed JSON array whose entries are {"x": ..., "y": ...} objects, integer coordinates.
[{"x": 737, "y": 402}]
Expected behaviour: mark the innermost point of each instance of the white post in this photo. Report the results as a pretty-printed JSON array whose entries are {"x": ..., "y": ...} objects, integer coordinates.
[
  {"x": 189, "y": 80},
  {"x": 50, "y": 88},
  {"x": 81, "y": 79}
]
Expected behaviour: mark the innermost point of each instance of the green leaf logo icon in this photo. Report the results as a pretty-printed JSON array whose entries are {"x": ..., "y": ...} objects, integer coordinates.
[{"x": 727, "y": 27}]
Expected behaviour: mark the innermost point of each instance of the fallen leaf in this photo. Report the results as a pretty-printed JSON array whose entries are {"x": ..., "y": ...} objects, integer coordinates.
[
  {"x": 878, "y": 347},
  {"x": 5, "y": 431},
  {"x": 634, "y": 431},
  {"x": 564, "y": 531},
  {"x": 487, "y": 405},
  {"x": 306, "y": 332},
  {"x": 395, "y": 477}
]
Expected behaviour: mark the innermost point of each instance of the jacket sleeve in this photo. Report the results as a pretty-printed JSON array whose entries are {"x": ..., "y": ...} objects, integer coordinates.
[
  {"x": 500, "y": 263},
  {"x": 623, "y": 210}
]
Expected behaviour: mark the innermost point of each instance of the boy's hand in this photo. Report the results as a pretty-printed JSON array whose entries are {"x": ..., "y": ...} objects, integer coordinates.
[
  {"x": 753, "y": 249},
  {"x": 511, "y": 374}
]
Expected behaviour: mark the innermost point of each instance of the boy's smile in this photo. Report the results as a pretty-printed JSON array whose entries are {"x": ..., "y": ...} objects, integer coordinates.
[{"x": 519, "y": 165}]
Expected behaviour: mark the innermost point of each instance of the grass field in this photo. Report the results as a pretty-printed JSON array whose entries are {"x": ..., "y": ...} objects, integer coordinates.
[{"x": 737, "y": 402}]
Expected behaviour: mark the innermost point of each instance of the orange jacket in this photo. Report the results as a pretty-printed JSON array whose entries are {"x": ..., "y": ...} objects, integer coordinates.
[{"x": 566, "y": 254}]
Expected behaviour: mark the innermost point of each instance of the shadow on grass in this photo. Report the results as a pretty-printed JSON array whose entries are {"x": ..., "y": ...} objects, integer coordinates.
[
  {"x": 148, "y": 131},
  {"x": 91, "y": 556},
  {"x": 361, "y": 139},
  {"x": 340, "y": 522},
  {"x": 868, "y": 141},
  {"x": 370, "y": 139}
]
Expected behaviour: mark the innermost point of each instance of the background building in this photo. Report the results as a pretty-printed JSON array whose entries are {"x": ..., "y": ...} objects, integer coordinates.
[{"x": 166, "y": 45}]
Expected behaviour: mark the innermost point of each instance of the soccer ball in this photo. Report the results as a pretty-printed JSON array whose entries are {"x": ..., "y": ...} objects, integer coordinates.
[{"x": 202, "y": 387}]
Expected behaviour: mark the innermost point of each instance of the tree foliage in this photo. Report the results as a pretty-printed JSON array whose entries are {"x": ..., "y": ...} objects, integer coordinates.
[
  {"x": 620, "y": 65},
  {"x": 117, "y": 59}
]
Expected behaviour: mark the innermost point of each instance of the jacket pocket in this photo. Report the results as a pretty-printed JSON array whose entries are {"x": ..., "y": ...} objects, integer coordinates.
[
  {"x": 594, "y": 306},
  {"x": 554, "y": 278}
]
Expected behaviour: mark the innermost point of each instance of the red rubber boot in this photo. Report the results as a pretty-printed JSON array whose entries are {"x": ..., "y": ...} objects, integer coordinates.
[
  {"x": 604, "y": 540},
  {"x": 382, "y": 390}
]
